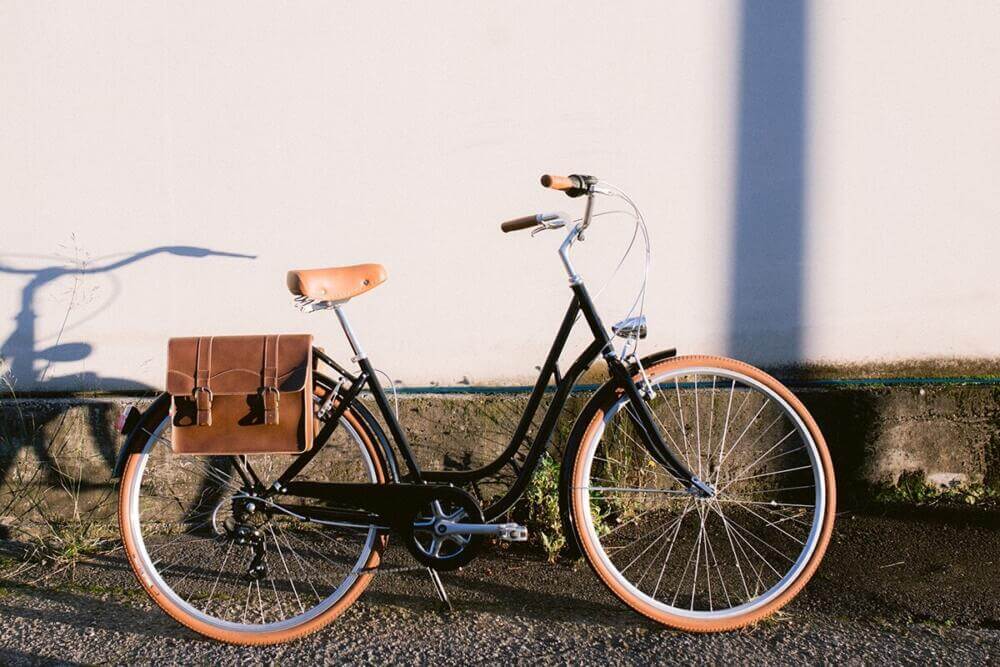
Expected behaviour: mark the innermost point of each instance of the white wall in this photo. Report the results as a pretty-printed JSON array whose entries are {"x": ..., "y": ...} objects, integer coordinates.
[{"x": 309, "y": 134}]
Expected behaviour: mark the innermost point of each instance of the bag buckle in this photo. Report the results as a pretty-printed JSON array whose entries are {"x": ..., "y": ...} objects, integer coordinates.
[
  {"x": 203, "y": 401},
  {"x": 271, "y": 397}
]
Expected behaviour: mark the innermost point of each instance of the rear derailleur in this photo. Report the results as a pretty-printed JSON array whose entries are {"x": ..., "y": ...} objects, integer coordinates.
[{"x": 246, "y": 528}]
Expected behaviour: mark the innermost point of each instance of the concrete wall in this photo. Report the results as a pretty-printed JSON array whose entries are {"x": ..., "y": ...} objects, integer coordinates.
[{"x": 820, "y": 179}]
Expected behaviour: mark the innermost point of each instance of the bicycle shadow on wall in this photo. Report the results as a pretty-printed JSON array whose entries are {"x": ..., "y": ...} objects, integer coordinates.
[{"x": 28, "y": 360}]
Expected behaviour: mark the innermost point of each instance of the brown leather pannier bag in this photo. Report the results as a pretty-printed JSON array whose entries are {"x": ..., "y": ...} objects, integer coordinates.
[{"x": 241, "y": 394}]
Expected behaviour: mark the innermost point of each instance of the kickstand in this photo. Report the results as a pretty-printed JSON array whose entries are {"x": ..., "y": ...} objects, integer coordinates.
[{"x": 439, "y": 589}]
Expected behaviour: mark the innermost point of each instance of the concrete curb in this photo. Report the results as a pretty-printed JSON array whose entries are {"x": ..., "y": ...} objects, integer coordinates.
[{"x": 947, "y": 432}]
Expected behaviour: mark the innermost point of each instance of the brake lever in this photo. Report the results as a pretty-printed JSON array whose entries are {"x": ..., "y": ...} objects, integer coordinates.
[
  {"x": 546, "y": 225},
  {"x": 547, "y": 221}
]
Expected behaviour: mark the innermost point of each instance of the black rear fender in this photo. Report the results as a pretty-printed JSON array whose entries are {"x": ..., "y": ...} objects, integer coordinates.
[{"x": 138, "y": 430}]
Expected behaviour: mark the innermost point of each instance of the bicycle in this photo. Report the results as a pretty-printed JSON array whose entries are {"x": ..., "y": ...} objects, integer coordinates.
[{"x": 698, "y": 488}]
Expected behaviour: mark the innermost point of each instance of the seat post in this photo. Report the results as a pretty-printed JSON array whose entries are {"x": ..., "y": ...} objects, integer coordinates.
[{"x": 355, "y": 345}]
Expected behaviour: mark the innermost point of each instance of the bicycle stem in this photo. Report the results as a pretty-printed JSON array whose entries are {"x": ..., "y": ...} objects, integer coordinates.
[{"x": 576, "y": 233}]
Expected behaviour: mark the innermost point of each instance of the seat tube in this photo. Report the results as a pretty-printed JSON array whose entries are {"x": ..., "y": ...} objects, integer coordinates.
[
  {"x": 359, "y": 354},
  {"x": 369, "y": 374}
]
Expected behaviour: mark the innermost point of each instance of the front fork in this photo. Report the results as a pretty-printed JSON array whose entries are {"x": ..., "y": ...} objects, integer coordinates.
[{"x": 639, "y": 412}]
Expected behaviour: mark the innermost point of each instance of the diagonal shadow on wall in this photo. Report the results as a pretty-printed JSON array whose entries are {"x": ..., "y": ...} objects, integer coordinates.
[
  {"x": 28, "y": 364},
  {"x": 766, "y": 285}
]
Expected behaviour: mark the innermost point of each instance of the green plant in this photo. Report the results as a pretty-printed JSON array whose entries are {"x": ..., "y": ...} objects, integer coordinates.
[
  {"x": 912, "y": 488},
  {"x": 542, "y": 497}
]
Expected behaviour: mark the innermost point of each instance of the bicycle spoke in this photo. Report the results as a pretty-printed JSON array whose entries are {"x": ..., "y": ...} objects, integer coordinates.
[
  {"x": 708, "y": 572},
  {"x": 680, "y": 583},
  {"x": 769, "y": 503},
  {"x": 673, "y": 541},
  {"x": 722, "y": 451},
  {"x": 288, "y": 573},
  {"x": 680, "y": 411},
  {"x": 623, "y": 489},
  {"x": 718, "y": 569},
  {"x": 730, "y": 532},
  {"x": 756, "y": 440},
  {"x": 736, "y": 442},
  {"x": 215, "y": 585},
  {"x": 246, "y": 607},
  {"x": 758, "y": 460},
  {"x": 742, "y": 533},
  {"x": 711, "y": 420},
  {"x": 277, "y": 600},
  {"x": 658, "y": 538},
  {"x": 781, "y": 489},
  {"x": 697, "y": 552},
  {"x": 664, "y": 430},
  {"x": 766, "y": 474},
  {"x": 725, "y": 431},
  {"x": 697, "y": 424},
  {"x": 302, "y": 567},
  {"x": 770, "y": 524},
  {"x": 260, "y": 603},
  {"x": 659, "y": 551}
]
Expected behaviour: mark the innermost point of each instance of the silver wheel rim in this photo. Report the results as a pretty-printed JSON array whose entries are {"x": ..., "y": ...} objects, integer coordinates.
[
  {"x": 153, "y": 576},
  {"x": 583, "y": 498}
]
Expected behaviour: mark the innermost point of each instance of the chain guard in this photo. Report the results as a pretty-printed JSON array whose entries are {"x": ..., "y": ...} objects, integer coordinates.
[{"x": 398, "y": 506}]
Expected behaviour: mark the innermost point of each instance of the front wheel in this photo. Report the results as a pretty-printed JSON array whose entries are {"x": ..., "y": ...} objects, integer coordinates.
[{"x": 716, "y": 563}]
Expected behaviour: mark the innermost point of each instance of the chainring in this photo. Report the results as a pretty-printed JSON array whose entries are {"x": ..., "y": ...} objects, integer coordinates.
[{"x": 444, "y": 552}]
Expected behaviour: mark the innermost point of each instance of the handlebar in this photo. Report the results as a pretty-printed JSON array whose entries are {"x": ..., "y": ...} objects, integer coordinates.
[
  {"x": 574, "y": 185},
  {"x": 517, "y": 224},
  {"x": 559, "y": 182}
]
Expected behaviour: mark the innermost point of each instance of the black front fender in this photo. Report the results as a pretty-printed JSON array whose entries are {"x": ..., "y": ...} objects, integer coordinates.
[
  {"x": 601, "y": 397},
  {"x": 654, "y": 358}
]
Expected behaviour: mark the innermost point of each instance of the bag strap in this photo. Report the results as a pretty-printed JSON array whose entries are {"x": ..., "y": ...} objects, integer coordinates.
[
  {"x": 269, "y": 384},
  {"x": 202, "y": 373}
]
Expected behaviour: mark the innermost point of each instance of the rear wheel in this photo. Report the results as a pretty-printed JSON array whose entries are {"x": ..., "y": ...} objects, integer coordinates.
[
  {"x": 237, "y": 568},
  {"x": 704, "y": 564}
]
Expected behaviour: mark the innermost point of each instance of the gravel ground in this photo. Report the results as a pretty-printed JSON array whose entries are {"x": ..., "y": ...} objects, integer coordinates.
[{"x": 891, "y": 590}]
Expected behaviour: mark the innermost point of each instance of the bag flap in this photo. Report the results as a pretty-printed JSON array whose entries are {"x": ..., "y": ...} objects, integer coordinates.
[{"x": 236, "y": 363}]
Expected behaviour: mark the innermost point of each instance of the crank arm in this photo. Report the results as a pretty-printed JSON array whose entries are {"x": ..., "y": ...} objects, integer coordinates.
[{"x": 508, "y": 532}]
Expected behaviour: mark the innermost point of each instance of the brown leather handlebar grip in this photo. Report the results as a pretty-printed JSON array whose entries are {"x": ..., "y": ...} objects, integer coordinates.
[
  {"x": 559, "y": 182},
  {"x": 517, "y": 224}
]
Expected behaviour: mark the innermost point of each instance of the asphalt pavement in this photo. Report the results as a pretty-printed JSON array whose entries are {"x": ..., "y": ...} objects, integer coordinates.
[{"x": 901, "y": 588}]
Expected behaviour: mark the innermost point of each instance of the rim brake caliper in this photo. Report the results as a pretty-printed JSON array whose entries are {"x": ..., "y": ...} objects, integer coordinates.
[{"x": 647, "y": 390}]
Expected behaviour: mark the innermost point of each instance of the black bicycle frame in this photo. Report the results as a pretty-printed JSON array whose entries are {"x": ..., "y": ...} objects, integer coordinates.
[{"x": 525, "y": 468}]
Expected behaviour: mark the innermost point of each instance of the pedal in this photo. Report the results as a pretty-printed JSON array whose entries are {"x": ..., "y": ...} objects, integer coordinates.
[{"x": 512, "y": 532}]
